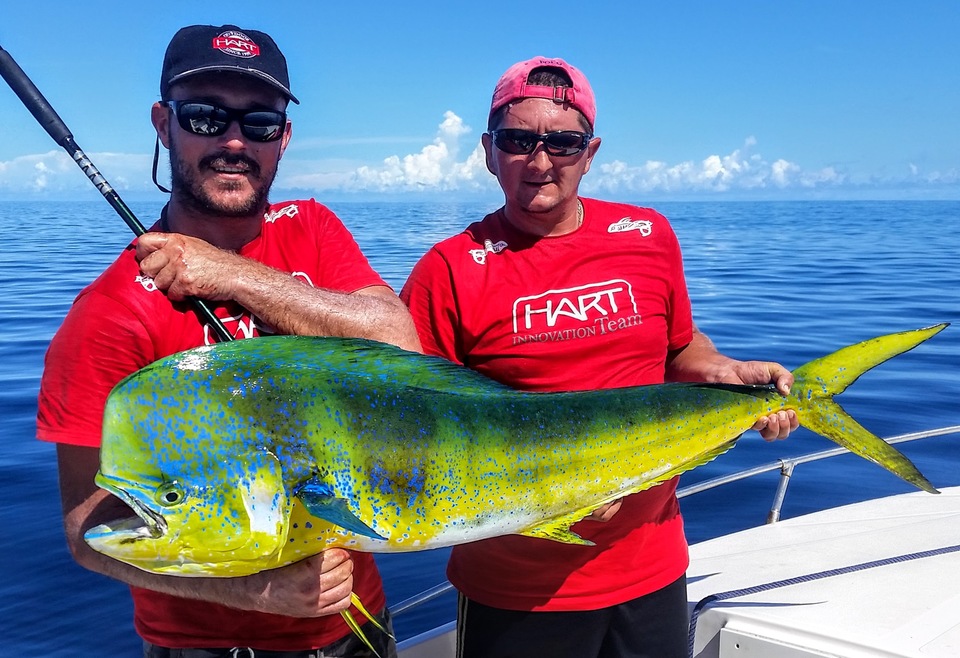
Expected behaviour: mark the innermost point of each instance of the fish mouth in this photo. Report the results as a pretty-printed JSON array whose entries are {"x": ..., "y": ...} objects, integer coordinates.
[{"x": 146, "y": 524}]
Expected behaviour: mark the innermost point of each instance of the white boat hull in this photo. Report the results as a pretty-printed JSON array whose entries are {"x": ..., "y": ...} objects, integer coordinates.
[{"x": 893, "y": 588}]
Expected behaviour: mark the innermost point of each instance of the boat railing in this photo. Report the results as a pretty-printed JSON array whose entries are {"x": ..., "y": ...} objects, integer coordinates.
[{"x": 786, "y": 467}]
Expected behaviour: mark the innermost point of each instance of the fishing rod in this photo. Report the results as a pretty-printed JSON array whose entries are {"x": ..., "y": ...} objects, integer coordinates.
[{"x": 48, "y": 118}]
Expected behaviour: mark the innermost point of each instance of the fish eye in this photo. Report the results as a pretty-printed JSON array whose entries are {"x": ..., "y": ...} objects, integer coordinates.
[{"x": 170, "y": 494}]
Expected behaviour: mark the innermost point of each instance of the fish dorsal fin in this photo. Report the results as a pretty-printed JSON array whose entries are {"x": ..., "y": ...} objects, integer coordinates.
[
  {"x": 351, "y": 358},
  {"x": 321, "y": 503},
  {"x": 390, "y": 363}
]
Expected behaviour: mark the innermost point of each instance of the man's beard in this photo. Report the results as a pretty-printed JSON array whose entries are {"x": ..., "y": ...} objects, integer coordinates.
[{"x": 188, "y": 187}]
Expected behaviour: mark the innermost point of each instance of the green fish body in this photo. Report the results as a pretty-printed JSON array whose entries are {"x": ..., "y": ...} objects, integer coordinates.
[{"x": 253, "y": 454}]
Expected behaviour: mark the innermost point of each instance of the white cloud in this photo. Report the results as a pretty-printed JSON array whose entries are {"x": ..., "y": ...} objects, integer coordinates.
[
  {"x": 781, "y": 172},
  {"x": 739, "y": 170},
  {"x": 445, "y": 165},
  {"x": 34, "y": 173},
  {"x": 55, "y": 172},
  {"x": 435, "y": 167},
  {"x": 949, "y": 177}
]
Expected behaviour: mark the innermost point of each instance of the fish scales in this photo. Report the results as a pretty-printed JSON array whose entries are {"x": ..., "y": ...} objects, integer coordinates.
[{"x": 252, "y": 454}]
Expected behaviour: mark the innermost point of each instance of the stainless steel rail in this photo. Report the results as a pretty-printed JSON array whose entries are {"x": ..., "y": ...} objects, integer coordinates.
[
  {"x": 421, "y": 598},
  {"x": 786, "y": 467}
]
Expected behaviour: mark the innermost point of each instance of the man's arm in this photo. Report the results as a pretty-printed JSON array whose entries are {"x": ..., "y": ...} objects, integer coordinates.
[
  {"x": 700, "y": 361},
  {"x": 317, "y": 586},
  {"x": 184, "y": 267}
]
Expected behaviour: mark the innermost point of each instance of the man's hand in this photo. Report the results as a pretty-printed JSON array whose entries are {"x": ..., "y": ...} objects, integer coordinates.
[
  {"x": 775, "y": 426},
  {"x": 605, "y": 512},
  {"x": 700, "y": 361},
  {"x": 317, "y": 586},
  {"x": 183, "y": 266}
]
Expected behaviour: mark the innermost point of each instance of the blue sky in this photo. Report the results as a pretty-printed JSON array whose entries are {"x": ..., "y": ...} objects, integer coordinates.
[{"x": 749, "y": 99}]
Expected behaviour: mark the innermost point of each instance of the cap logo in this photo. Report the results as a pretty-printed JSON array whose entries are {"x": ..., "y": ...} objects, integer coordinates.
[{"x": 236, "y": 44}]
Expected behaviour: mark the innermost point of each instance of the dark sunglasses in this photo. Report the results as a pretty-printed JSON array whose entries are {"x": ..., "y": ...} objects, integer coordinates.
[
  {"x": 522, "y": 142},
  {"x": 211, "y": 120}
]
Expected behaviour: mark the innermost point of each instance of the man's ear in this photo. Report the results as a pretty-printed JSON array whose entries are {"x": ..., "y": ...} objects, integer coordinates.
[
  {"x": 287, "y": 133},
  {"x": 487, "y": 141},
  {"x": 160, "y": 117},
  {"x": 592, "y": 149}
]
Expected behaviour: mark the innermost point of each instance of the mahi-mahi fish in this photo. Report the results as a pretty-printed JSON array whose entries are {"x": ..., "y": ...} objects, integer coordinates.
[{"x": 253, "y": 454}]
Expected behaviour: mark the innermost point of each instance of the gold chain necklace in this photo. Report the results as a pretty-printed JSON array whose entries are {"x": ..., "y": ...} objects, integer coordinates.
[{"x": 579, "y": 213}]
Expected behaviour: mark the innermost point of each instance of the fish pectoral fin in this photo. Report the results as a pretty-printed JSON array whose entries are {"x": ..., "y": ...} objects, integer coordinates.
[
  {"x": 323, "y": 505},
  {"x": 559, "y": 530}
]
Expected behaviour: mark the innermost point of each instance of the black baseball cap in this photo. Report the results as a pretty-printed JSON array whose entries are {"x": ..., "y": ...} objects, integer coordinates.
[{"x": 206, "y": 48}]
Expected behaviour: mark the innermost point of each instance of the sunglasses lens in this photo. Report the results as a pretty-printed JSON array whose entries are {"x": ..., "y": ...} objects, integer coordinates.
[
  {"x": 201, "y": 118},
  {"x": 211, "y": 120},
  {"x": 566, "y": 142},
  {"x": 514, "y": 141},
  {"x": 263, "y": 126},
  {"x": 522, "y": 142}
]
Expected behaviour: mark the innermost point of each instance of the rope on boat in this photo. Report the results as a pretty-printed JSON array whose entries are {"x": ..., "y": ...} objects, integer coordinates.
[{"x": 723, "y": 596}]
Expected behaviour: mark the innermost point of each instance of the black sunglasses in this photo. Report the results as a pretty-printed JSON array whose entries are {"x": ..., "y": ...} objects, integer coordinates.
[
  {"x": 211, "y": 120},
  {"x": 522, "y": 142}
]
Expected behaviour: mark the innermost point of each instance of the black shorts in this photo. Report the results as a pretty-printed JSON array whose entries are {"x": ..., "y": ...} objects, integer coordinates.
[{"x": 651, "y": 626}]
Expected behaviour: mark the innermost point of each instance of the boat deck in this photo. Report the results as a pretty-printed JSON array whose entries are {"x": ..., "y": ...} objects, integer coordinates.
[{"x": 879, "y": 579}]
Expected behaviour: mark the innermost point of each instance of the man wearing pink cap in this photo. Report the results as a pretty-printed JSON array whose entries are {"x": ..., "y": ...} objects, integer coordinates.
[{"x": 556, "y": 292}]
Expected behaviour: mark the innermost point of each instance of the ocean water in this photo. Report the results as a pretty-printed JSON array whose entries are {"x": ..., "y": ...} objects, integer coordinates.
[{"x": 785, "y": 281}]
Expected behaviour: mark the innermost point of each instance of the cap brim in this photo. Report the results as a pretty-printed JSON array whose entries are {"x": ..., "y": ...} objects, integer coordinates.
[{"x": 253, "y": 73}]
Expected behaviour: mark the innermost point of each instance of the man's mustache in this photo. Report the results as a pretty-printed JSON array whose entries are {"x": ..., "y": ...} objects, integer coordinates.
[{"x": 220, "y": 160}]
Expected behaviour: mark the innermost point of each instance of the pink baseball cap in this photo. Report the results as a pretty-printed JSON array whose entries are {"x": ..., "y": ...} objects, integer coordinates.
[{"x": 513, "y": 86}]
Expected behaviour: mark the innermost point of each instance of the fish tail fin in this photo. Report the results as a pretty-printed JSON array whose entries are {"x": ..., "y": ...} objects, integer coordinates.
[
  {"x": 817, "y": 382},
  {"x": 354, "y": 625}
]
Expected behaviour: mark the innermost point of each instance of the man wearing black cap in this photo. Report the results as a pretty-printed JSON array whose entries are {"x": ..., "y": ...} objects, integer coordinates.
[{"x": 289, "y": 268}]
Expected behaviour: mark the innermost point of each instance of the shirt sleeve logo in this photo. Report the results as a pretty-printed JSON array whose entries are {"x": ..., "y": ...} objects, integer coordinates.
[
  {"x": 290, "y": 211},
  {"x": 146, "y": 282},
  {"x": 480, "y": 255},
  {"x": 625, "y": 224},
  {"x": 242, "y": 325}
]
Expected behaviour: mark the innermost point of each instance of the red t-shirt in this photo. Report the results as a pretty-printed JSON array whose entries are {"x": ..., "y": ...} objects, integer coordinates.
[
  {"x": 121, "y": 323},
  {"x": 596, "y": 308}
]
